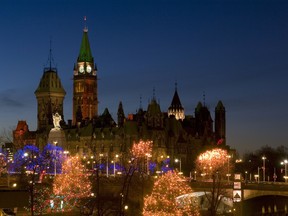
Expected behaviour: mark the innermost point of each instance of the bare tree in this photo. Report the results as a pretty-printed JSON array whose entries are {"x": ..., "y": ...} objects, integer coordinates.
[{"x": 215, "y": 166}]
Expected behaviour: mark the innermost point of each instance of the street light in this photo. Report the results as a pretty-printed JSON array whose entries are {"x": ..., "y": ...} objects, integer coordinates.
[
  {"x": 264, "y": 158},
  {"x": 246, "y": 180},
  {"x": 179, "y": 160},
  {"x": 285, "y": 162},
  {"x": 148, "y": 156},
  {"x": 115, "y": 164},
  {"x": 55, "y": 162}
]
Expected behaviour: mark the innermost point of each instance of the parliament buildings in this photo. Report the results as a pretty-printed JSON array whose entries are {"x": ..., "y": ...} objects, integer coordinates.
[{"x": 174, "y": 133}]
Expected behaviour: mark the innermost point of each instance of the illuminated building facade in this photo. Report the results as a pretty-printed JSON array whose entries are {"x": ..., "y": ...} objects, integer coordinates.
[{"x": 174, "y": 134}]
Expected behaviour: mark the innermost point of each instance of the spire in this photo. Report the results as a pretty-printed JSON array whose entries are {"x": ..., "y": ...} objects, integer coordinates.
[
  {"x": 120, "y": 115},
  {"x": 140, "y": 102},
  {"x": 50, "y": 59},
  {"x": 176, "y": 103},
  {"x": 50, "y": 54},
  {"x": 176, "y": 108},
  {"x": 204, "y": 98},
  {"x": 85, "y": 25},
  {"x": 85, "y": 54}
]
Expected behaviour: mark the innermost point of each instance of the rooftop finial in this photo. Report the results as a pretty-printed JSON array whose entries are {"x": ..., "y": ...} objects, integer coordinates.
[
  {"x": 85, "y": 24},
  {"x": 204, "y": 98},
  {"x": 50, "y": 58},
  {"x": 154, "y": 93},
  {"x": 50, "y": 54},
  {"x": 140, "y": 101},
  {"x": 176, "y": 85}
]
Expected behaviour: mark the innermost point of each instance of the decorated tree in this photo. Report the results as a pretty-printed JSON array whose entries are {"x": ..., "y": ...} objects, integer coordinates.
[
  {"x": 28, "y": 162},
  {"x": 141, "y": 152},
  {"x": 215, "y": 166},
  {"x": 73, "y": 184},
  {"x": 162, "y": 200},
  {"x": 215, "y": 161},
  {"x": 141, "y": 149},
  {"x": 134, "y": 171},
  {"x": 3, "y": 164},
  {"x": 42, "y": 194}
]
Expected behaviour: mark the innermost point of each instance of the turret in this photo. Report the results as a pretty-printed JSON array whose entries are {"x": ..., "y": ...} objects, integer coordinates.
[
  {"x": 50, "y": 96},
  {"x": 154, "y": 116},
  {"x": 204, "y": 122},
  {"x": 220, "y": 123},
  {"x": 120, "y": 115},
  {"x": 176, "y": 108}
]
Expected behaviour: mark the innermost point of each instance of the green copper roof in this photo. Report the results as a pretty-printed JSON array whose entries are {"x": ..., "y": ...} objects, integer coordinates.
[{"x": 85, "y": 54}]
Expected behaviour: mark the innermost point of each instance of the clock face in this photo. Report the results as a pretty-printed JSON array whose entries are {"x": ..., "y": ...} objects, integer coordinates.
[
  {"x": 81, "y": 69},
  {"x": 89, "y": 69}
]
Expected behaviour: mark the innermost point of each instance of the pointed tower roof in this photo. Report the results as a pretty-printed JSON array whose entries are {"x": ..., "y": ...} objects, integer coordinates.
[
  {"x": 199, "y": 107},
  {"x": 85, "y": 54},
  {"x": 176, "y": 103},
  {"x": 220, "y": 106},
  {"x": 50, "y": 82},
  {"x": 176, "y": 108}
]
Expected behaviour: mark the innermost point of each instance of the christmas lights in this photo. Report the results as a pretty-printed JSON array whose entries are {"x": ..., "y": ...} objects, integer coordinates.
[
  {"x": 162, "y": 200},
  {"x": 73, "y": 184}
]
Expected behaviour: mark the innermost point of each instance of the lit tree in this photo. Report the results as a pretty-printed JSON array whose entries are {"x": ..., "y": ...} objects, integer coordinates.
[
  {"x": 162, "y": 200},
  {"x": 215, "y": 164},
  {"x": 140, "y": 152},
  {"x": 42, "y": 194},
  {"x": 142, "y": 149},
  {"x": 32, "y": 164},
  {"x": 73, "y": 184},
  {"x": 3, "y": 164},
  {"x": 214, "y": 161}
]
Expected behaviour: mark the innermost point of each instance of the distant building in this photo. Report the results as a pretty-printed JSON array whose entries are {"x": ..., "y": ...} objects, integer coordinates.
[
  {"x": 174, "y": 134},
  {"x": 22, "y": 136}
]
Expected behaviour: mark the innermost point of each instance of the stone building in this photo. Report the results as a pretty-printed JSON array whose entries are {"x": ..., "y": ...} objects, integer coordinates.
[{"x": 174, "y": 134}]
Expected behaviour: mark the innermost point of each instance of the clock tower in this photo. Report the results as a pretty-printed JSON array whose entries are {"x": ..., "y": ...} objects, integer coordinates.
[{"x": 85, "y": 98}]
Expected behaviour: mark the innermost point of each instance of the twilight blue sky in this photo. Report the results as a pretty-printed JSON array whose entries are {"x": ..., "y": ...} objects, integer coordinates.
[{"x": 233, "y": 50}]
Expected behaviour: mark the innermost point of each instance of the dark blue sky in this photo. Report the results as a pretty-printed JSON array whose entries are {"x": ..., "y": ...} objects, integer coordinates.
[{"x": 234, "y": 51}]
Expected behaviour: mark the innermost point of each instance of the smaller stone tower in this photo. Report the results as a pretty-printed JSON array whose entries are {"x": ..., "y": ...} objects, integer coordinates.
[
  {"x": 50, "y": 96},
  {"x": 176, "y": 108},
  {"x": 220, "y": 119}
]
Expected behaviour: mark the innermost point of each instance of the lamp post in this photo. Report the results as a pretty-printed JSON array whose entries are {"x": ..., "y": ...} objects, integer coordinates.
[
  {"x": 180, "y": 166},
  {"x": 107, "y": 163},
  {"x": 264, "y": 158},
  {"x": 55, "y": 162},
  {"x": 115, "y": 164},
  {"x": 285, "y": 162},
  {"x": 246, "y": 180},
  {"x": 148, "y": 156}
]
